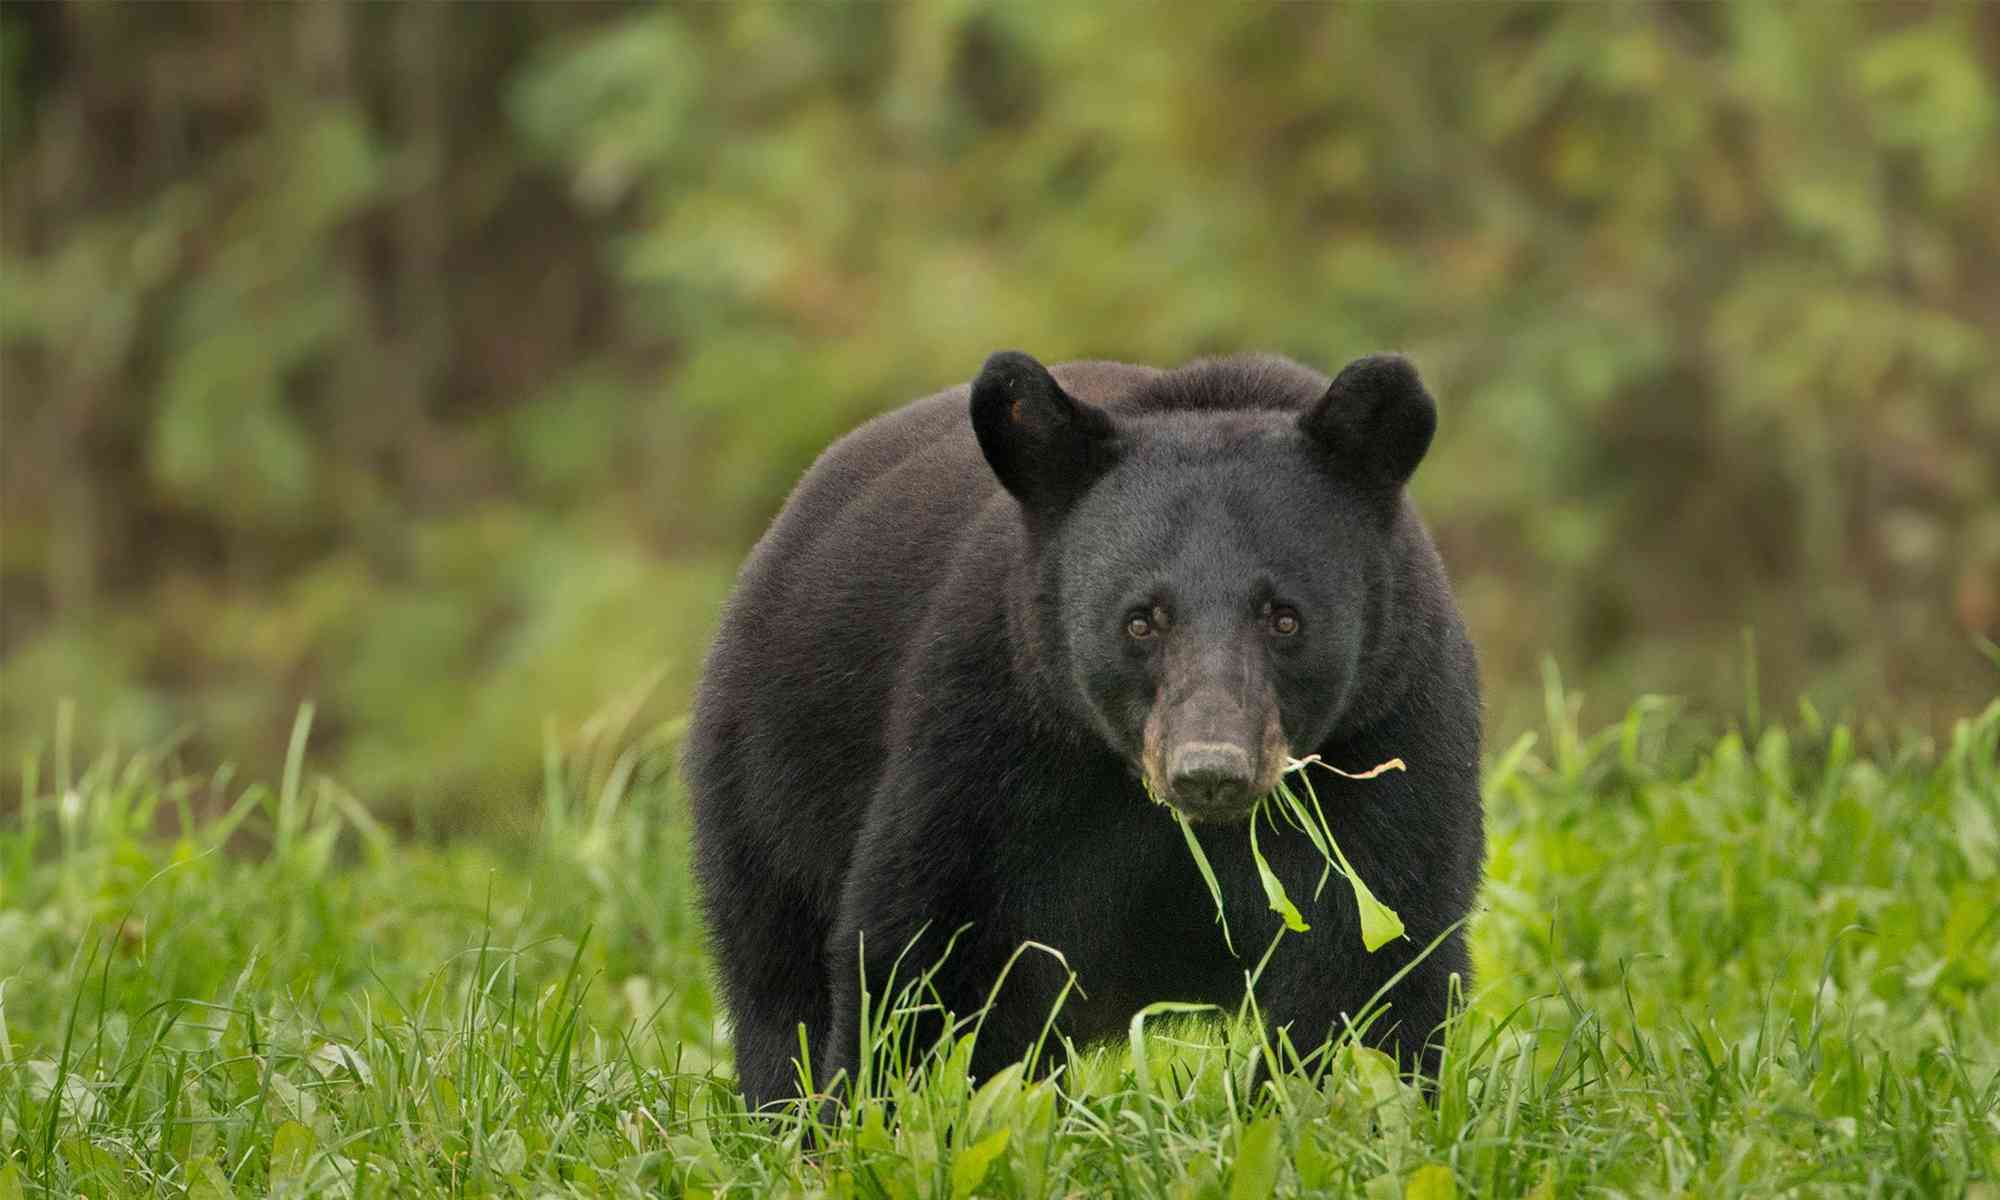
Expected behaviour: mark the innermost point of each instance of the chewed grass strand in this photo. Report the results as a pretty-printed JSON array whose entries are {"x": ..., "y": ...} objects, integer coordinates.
[
  {"x": 1201, "y": 863},
  {"x": 1314, "y": 760},
  {"x": 1274, "y": 888},
  {"x": 1380, "y": 924}
]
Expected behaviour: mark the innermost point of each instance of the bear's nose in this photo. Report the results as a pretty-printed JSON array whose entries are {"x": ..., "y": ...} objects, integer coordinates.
[{"x": 1211, "y": 775}]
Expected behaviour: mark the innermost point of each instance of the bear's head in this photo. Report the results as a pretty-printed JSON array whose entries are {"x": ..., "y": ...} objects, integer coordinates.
[{"x": 1217, "y": 560}]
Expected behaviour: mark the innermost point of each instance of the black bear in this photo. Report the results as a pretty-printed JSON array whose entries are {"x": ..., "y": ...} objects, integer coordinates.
[{"x": 987, "y": 623}]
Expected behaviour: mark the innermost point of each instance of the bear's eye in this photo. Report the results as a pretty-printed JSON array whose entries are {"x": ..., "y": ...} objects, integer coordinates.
[
  {"x": 1284, "y": 622},
  {"x": 1139, "y": 626}
]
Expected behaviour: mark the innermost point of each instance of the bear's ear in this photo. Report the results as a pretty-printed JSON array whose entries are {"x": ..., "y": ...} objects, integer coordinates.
[
  {"x": 1045, "y": 445},
  {"x": 1376, "y": 420}
]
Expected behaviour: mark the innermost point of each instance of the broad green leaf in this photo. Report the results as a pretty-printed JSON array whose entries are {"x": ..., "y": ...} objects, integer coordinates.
[
  {"x": 697, "y": 1155},
  {"x": 1037, "y": 1122},
  {"x": 89, "y": 1159},
  {"x": 1274, "y": 888},
  {"x": 970, "y": 1165},
  {"x": 1381, "y": 1088},
  {"x": 1256, "y": 1172},
  {"x": 291, "y": 1147},
  {"x": 1380, "y": 924},
  {"x": 1434, "y": 1181},
  {"x": 205, "y": 1181},
  {"x": 874, "y": 1132},
  {"x": 506, "y": 1152},
  {"x": 996, "y": 1099},
  {"x": 1314, "y": 1163}
]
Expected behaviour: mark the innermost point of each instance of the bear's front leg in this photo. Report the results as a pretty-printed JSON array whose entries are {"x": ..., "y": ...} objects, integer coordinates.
[
  {"x": 905, "y": 936},
  {"x": 924, "y": 934},
  {"x": 880, "y": 952}
]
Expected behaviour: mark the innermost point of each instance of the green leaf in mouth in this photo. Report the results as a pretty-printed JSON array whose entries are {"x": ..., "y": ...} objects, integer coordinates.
[{"x": 1380, "y": 924}]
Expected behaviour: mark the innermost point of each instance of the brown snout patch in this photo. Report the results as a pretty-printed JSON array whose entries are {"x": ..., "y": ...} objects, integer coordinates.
[
  {"x": 1153, "y": 751},
  {"x": 1272, "y": 752}
]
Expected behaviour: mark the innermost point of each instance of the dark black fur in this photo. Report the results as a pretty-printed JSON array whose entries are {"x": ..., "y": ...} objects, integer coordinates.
[{"x": 929, "y": 707}]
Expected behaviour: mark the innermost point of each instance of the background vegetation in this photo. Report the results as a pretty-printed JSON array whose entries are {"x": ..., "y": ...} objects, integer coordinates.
[{"x": 438, "y": 362}]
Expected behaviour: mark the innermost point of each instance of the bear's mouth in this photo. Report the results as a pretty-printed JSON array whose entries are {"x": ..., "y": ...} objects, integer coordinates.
[{"x": 1204, "y": 812}]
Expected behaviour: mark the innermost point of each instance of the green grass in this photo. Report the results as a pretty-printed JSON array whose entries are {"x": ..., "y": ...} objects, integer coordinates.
[{"x": 1734, "y": 965}]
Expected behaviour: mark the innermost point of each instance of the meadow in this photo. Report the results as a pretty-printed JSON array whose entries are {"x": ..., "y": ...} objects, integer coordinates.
[{"x": 1749, "y": 958}]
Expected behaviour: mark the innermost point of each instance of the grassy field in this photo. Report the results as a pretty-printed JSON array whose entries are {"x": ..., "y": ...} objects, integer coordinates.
[{"x": 1745, "y": 963}]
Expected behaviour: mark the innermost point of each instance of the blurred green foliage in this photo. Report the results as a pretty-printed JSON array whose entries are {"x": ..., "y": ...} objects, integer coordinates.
[{"x": 439, "y": 362}]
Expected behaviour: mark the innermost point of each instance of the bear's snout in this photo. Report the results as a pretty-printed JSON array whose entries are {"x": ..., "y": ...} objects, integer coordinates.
[
  {"x": 1212, "y": 745},
  {"x": 1212, "y": 759},
  {"x": 1211, "y": 779}
]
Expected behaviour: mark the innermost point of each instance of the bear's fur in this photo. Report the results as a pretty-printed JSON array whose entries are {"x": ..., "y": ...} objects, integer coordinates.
[{"x": 984, "y": 622}]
